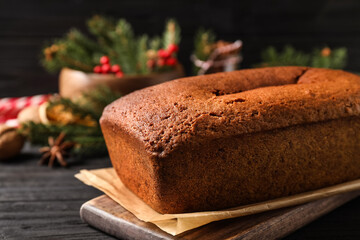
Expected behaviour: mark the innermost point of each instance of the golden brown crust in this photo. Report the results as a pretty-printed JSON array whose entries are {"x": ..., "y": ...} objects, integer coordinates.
[
  {"x": 164, "y": 138},
  {"x": 255, "y": 167},
  {"x": 228, "y": 104}
]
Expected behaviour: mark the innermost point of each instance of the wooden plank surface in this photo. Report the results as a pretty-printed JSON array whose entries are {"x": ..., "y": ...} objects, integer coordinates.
[
  {"x": 41, "y": 203},
  {"x": 105, "y": 214}
]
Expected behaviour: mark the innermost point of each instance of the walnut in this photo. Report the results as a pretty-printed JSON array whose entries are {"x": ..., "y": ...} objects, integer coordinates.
[{"x": 11, "y": 142}]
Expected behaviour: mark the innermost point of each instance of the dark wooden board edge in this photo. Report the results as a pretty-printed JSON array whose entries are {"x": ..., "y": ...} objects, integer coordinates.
[
  {"x": 106, "y": 215},
  {"x": 125, "y": 227}
]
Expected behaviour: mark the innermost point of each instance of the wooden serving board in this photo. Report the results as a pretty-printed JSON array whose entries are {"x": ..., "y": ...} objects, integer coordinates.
[{"x": 105, "y": 214}]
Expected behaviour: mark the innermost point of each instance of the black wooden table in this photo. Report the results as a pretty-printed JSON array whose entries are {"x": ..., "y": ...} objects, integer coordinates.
[{"x": 41, "y": 203}]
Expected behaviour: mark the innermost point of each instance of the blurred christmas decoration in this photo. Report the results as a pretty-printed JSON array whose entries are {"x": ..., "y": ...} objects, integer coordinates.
[
  {"x": 289, "y": 56},
  {"x": 106, "y": 67},
  {"x": 77, "y": 120},
  {"x": 113, "y": 56},
  {"x": 55, "y": 151},
  {"x": 212, "y": 56},
  {"x": 10, "y": 107},
  {"x": 72, "y": 83},
  {"x": 11, "y": 142},
  {"x": 114, "y": 42}
]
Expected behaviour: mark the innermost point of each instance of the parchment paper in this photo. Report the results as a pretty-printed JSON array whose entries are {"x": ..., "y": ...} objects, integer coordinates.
[{"x": 107, "y": 181}]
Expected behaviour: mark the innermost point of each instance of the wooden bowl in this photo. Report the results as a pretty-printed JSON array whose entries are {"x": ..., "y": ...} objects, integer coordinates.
[{"x": 73, "y": 82}]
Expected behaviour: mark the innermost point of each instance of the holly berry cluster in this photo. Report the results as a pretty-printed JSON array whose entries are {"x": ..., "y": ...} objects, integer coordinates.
[
  {"x": 165, "y": 57},
  {"x": 106, "y": 68}
]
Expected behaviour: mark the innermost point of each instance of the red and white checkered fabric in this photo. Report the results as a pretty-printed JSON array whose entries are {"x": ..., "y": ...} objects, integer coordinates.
[{"x": 10, "y": 107}]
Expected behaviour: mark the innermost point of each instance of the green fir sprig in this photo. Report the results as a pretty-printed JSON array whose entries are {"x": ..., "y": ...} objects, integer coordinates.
[
  {"x": 115, "y": 39},
  {"x": 171, "y": 34},
  {"x": 327, "y": 58},
  {"x": 319, "y": 57},
  {"x": 203, "y": 42},
  {"x": 88, "y": 140}
]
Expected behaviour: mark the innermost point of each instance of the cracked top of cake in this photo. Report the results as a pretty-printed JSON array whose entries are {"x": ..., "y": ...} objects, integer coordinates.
[{"x": 195, "y": 109}]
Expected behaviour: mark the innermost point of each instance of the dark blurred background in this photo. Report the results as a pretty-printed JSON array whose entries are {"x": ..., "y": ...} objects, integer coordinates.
[{"x": 25, "y": 26}]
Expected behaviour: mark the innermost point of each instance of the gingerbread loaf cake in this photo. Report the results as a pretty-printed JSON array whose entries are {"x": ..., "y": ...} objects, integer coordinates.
[{"x": 228, "y": 139}]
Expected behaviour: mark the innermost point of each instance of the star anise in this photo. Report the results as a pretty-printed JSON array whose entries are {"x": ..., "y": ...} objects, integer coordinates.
[{"x": 55, "y": 151}]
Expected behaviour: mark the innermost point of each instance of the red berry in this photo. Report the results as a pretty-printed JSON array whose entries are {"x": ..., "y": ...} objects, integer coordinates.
[
  {"x": 171, "y": 61},
  {"x": 105, "y": 68},
  {"x": 97, "y": 69},
  {"x": 163, "y": 53},
  {"x": 104, "y": 60},
  {"x": 115, "y": 68},
  {"x": 150, "y": 63},
  {"x": 119, "y": 74},
  {"x": 160, "y": 62},
  {"x": 173, "y": 48}
]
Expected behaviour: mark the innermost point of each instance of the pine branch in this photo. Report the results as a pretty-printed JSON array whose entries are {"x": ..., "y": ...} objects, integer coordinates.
[
  {"x": 336, "y": 59},
  {"x": 88, "y": 138},
  {"x": 124, "y": 46},
  {"x": 155, "y": 43},
  {"x": 117, "y": 41},
  {"x": 89, "y": 146},
  {"x": 141, "y": 55},
  {"x": 49, "y": 58},
  {"x": 38, "y": 133},
  {"x": 171, "y": 34},
  {"x": 97, "y": 99},
  {"x": 74, "y": 51},
  {"x": 73, "y": 63},
  {"x": 289, "y": 56},
  {"x": 83, "y": 42},
  {"x": 204, "y": 39},
  {"x": 100, "y": 27}
]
